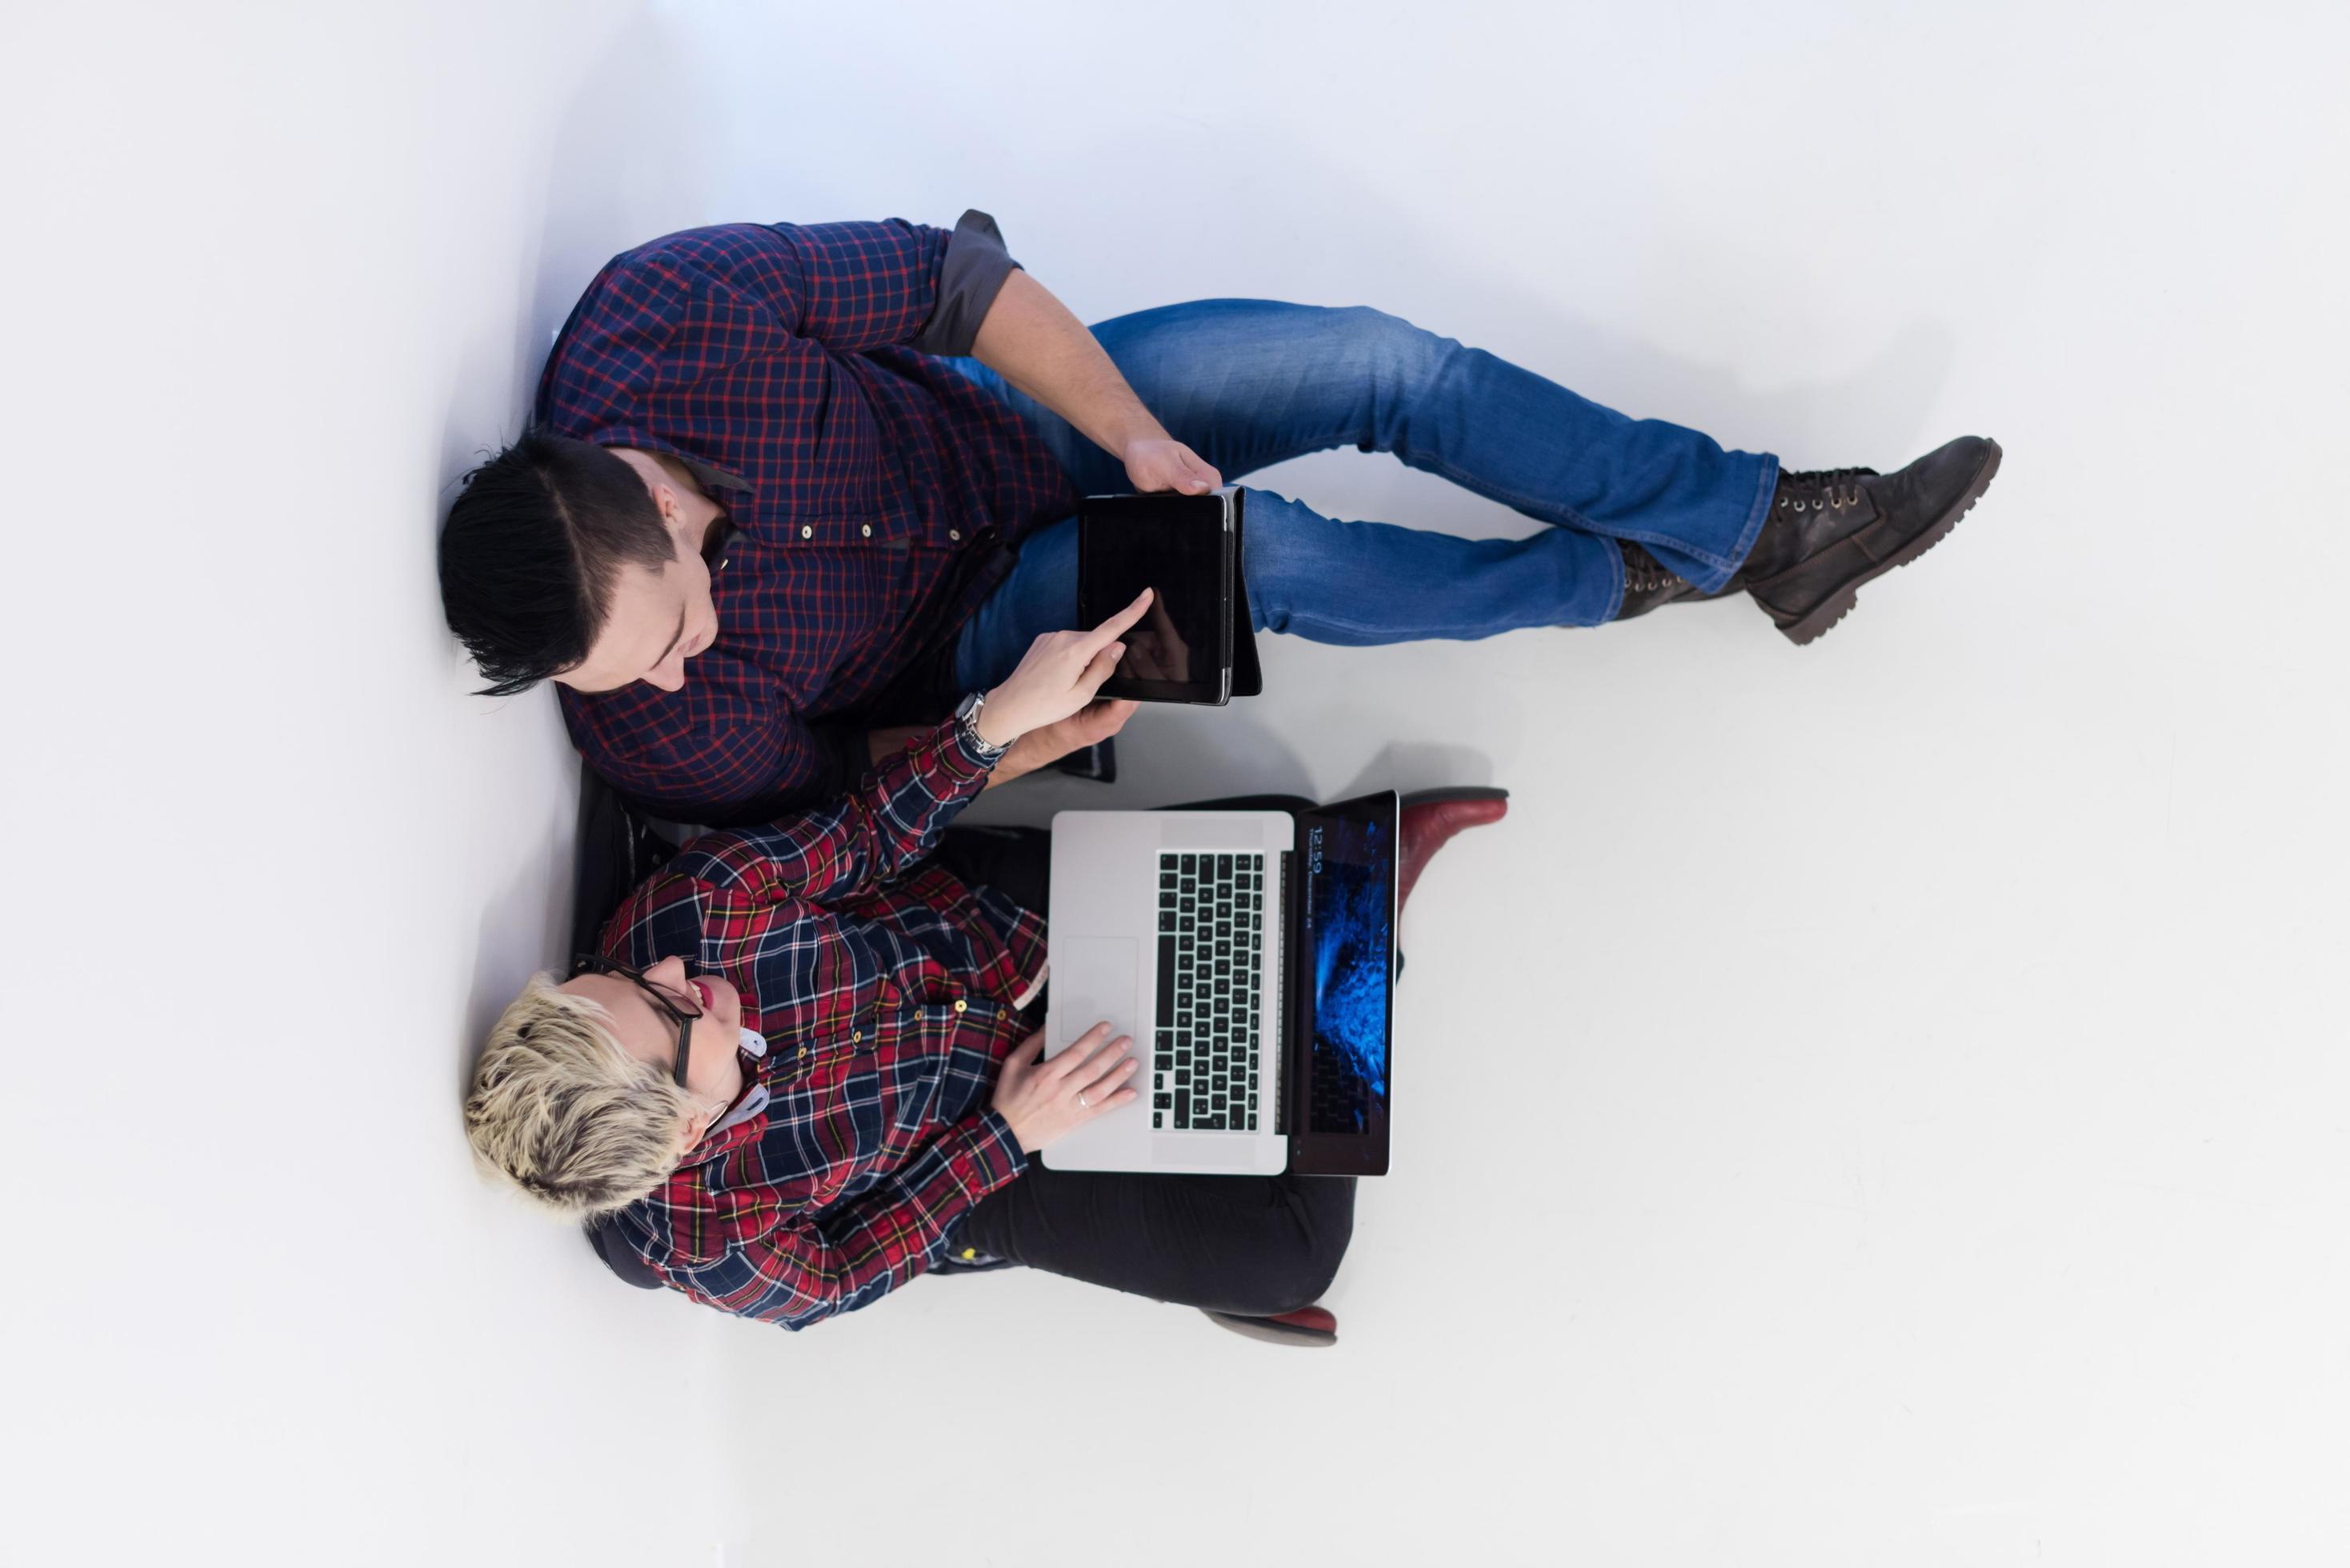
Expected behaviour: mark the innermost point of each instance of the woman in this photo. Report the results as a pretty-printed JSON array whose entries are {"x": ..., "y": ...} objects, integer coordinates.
[{"x": 806, "y": 1064}]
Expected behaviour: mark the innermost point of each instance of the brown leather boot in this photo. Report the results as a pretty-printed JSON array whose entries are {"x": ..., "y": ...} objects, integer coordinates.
[
  {"x": 1832, "y": 530},
  {"x": 1431, "y": 819},
  {"x": 1648, "y": 584}
]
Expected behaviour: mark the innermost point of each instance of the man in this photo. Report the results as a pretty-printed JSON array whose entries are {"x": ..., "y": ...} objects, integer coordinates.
[
  {"x": 795, "y": 488},
  {"x": 805, "y": 1065}
]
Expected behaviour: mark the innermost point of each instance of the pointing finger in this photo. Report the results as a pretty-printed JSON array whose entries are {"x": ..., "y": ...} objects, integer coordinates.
[{"x": 1115, "y": 626}]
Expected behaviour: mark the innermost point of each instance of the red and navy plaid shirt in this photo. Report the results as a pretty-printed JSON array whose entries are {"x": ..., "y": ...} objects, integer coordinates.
[
  {"x": 879, "y": 487},
  {"x": 886, "y": 991}
]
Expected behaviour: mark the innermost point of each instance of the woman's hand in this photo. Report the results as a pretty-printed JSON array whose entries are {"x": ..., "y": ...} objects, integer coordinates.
[
  {"x": 1042, "y": 1099},
  {"x": 1155, "y": 651},
  {"x": 1058, "y": 675}
]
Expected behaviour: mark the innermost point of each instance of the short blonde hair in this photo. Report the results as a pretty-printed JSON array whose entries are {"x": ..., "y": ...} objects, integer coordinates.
[{"x": 559, "y": 1107}]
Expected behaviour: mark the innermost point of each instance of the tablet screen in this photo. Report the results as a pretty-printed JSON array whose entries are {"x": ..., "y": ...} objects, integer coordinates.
[{"x": 1175, "y": 546}]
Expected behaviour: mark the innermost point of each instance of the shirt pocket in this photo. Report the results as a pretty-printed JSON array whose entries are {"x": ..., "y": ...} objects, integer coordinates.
[
  {"x": 934, "y": 1015},
  {"x": 931, "y": 1028}
]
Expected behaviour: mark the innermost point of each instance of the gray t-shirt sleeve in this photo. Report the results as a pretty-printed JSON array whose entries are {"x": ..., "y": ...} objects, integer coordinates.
[{"x": 969, "y": 281}]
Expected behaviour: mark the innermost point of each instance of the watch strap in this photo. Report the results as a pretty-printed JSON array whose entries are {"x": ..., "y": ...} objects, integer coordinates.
[{"x": 967, "y": 714}]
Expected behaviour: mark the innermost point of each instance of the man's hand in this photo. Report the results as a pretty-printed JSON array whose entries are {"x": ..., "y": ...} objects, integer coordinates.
[
  {"x": 1159, "y": 463},
  {"x": 1037, "y": 749},
  {"x": 1031, "y": 340},
  {"x": 1041, "y": 748}
]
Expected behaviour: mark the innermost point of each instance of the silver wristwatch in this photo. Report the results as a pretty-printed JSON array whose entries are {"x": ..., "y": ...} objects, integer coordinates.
[{"x": 966, "y": 714}]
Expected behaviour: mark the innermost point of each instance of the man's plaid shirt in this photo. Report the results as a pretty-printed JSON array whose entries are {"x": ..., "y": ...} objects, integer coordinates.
[
  {"x": 886, "y": 989},
  {"x": 877, "y": 487}
]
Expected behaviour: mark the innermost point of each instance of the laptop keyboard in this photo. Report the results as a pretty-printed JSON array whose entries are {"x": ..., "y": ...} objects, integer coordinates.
[{"x": 1210, "y": 991}]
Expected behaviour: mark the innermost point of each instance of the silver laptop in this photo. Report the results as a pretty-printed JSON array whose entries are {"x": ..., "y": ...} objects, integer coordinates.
[{"x": 1181, "y": 929}]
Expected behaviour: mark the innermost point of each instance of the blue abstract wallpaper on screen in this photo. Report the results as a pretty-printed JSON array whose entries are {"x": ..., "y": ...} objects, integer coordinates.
[{"x": 1349, "y": 911}]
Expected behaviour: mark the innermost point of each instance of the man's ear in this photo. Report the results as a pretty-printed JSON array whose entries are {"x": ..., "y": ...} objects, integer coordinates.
[{"x": 684, "y": 538}]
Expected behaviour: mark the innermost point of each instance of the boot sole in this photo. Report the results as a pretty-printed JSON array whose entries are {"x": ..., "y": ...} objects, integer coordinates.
[{"x": 1838, "y": 605}]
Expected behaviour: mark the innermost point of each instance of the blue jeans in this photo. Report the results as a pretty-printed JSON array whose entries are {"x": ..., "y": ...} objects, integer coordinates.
[{"x": 1249, "y": 382}]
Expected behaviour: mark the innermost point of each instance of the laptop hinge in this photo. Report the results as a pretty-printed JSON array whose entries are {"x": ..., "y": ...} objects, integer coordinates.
[{"x": 1285, "y": 1079}]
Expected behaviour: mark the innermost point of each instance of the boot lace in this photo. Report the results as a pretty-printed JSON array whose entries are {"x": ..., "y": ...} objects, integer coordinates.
[
  {"x": 1821, "y": 488},
  {"x": 1643, "y": 573}
]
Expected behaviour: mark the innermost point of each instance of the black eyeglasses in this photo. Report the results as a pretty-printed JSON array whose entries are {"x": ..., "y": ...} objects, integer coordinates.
[{"x": 682, "y": 1013}]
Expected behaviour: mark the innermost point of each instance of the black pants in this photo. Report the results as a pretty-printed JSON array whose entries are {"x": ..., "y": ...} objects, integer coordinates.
[{"x": 1252, "y": 1244}]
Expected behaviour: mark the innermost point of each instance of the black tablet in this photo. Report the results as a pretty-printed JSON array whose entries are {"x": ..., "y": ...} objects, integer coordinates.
[{"x": 1181, "y": 548}]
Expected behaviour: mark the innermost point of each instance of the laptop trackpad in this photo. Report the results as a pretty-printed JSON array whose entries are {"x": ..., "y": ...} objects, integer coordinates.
[
  {"x": 1095, "y": 977},
  {"x": 1206, "y": 1152}
]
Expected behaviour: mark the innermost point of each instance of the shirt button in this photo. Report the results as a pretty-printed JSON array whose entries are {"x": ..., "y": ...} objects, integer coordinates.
[
  {"x": 954, "y": 533},
  {"x": 803, "y": 1051},
  {"x": 721, "y": 563},
  {"x": 806, "y": 531},
  {"x": 855, "y": 1035},
  {"x": 867, "y": 530},
  {"x": 960, "y": 1005}
]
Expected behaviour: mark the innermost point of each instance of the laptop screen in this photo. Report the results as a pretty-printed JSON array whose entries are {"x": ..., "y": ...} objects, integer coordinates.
[{"x": 1348, "y": 864}]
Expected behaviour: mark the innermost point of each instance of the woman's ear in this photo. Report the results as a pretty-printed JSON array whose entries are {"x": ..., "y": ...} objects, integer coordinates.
[{"x": 696, "y": 1128}]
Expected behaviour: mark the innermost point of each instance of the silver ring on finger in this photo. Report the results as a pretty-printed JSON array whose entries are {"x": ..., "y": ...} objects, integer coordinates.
[{"x": 1083, "y": 1101}]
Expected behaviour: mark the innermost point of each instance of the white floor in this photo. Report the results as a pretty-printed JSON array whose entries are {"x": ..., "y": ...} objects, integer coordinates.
[{"x": 1870, "y": 1104}]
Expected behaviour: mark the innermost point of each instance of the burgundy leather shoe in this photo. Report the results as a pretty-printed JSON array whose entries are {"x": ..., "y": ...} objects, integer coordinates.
[
  {"x": 1307, "y": 1328},
  {"x": 1431, "y": 819}
]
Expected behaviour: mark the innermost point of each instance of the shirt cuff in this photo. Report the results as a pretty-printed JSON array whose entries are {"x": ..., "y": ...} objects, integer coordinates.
[
  {"x": 962, "y": 757},
  {"x": 995, "y": 1151},
  {"x": 969, "y": 280}
]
